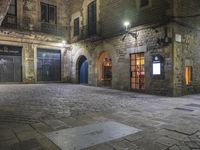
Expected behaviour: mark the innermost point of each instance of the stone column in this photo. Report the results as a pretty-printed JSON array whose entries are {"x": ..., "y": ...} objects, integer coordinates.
[
  {"x": 29, "y": 63},
  {"x": 4, "y": 5},
  {"x": 29, "y": 14}
]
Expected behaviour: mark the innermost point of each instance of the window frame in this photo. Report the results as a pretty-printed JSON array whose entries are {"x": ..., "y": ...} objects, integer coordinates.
[
  {"x": 76, "y": 26},
  {"x": 139, "y": 7},
  {"x": 5, "y": 22},
  {"x": 144, "y": 5},
  {"x": 48, "y": 13},
  {"x": 90, "y": 22}
]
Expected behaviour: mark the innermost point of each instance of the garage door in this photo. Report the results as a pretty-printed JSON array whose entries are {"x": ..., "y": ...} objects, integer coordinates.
[
  {"x": 48, "y": 65},
  {"x": 10, "y": 63}
]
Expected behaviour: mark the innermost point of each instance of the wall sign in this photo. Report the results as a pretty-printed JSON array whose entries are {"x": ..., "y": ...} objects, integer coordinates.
[
  {"x": 158, "y": 65},
  {"x": 10, "y": 50}
]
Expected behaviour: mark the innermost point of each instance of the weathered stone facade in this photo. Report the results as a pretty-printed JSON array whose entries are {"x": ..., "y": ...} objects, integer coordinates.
[
  {"x": 161, "y": 28},
  {"x": 31, "y": 34},
  {"x": 157, "y": 30}
]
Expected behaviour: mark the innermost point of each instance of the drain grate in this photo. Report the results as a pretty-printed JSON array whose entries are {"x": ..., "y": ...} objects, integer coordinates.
[
  {"x": 184, "y": 109},
  {"x": 193, "y": 105}
]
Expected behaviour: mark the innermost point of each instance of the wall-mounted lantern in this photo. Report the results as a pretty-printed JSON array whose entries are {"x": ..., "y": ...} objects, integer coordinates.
[{"x": 127, "y": 26}]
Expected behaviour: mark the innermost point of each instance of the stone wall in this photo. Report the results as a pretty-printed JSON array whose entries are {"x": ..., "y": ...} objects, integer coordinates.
[
  {"x": 186, "y": 53},
  {"x": 112, "y": 14},
  {"x": 120, "y": 52},
  {"x": 30, "y": 43},
  {"x": 30, "y": 36},
  {"x": 151, "y": 29}
]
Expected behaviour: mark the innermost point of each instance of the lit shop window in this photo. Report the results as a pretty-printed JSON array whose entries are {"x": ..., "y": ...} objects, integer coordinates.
[
  {"x": 188, "y": 75},
  {"x": 137, "y": 71},
  {"x": 107, "y": 69}
]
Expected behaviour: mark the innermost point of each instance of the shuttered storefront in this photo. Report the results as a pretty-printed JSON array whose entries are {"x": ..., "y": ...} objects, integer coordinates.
[
  {"x": 48, "y": 65},
  {"x": 10, "y": 63}
]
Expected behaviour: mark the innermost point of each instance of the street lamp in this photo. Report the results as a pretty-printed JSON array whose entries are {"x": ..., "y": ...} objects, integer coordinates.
[{"x": 127, "y": 26}]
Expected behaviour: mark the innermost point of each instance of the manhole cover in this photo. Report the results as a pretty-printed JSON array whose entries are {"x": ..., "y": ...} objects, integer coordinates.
[{"x": 90, "y": 135}]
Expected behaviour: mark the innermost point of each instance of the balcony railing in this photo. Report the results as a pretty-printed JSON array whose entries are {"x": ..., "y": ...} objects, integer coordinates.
[
  {"x": 10, "y": 22},
  {"x": 53, "y": 29},
  {"x": 91, "y": 32},
  {"x": 86, "y": 33},
  {"x": 47, "y": 28}
]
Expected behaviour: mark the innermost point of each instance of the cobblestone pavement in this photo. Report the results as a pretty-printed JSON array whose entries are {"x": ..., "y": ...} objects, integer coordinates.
[{"x": 27, "y": 112}]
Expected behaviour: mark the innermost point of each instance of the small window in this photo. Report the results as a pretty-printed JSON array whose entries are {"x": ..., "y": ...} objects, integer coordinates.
[
  {"x": 10, "y": 19},
  {"x": 92, "y": 18},
  {"x": 48, "y": 13},
  {"x": 144, "y": 3},
  {"x": 76, "y": 26},
  {"x": 13, "y": 8},
  {"x": 188, "y": 75}
]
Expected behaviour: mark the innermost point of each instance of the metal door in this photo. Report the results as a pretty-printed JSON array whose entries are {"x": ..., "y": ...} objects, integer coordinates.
[
  {"x": 48, "y": 65},
  {"x": 10, "y": 64},
  {"x": 84, "y": 72}
]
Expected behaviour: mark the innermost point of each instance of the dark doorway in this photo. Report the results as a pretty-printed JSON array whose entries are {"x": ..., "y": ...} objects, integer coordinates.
[
  {"x": 10, "y": 64},
  {"x": 48, "y": 65},
  {"x": 83, "y": 70}
]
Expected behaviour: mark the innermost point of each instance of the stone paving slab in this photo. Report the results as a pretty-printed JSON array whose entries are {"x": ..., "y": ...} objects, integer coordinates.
[
  {"x": 86, "y": 136},
  {"x": 28, "y": 112}
]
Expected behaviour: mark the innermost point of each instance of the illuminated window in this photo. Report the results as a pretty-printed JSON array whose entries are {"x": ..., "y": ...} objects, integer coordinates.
[
  {"x": 107, "y": 69},
  {"x": 137, "y": 71},
  {"x": 188, "y": 75}
]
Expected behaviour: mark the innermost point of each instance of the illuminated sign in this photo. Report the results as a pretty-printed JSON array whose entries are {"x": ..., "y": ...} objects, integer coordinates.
[
  {"x": 156, "y": 69},
  {"x": 157, "y": 65}
]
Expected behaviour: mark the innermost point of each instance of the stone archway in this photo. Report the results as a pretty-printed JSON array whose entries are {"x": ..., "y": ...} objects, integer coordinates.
[
  {"x": 82, "y": 70},
  {"x": 104, "y": 69}
]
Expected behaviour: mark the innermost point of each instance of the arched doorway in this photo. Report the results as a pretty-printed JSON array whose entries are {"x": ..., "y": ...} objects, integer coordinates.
[
  {"x": 83, "y": 70},
  {"x": 105, "y": 69}
]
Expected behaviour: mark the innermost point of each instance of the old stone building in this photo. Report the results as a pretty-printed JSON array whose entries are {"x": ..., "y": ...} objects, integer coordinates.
[
  {"x": 32, "y": 42},
  {"x": 157, "y": 53},
  {"x": 149, "y": 46}
]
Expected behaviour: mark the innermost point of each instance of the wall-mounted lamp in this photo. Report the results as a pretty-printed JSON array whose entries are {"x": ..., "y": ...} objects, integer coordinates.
[
  {"x": 63, "y": 43},
  {"x": 127, "y": 26}
]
